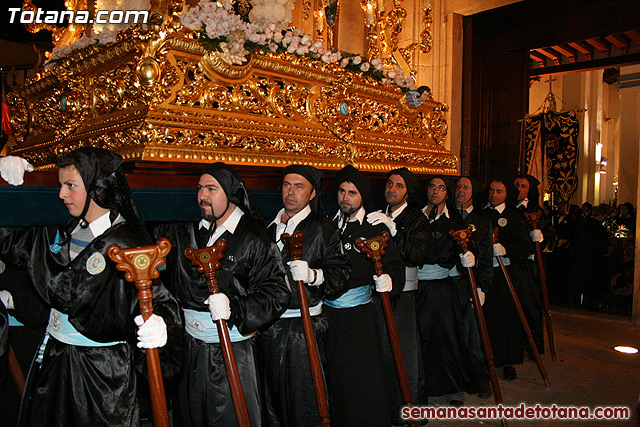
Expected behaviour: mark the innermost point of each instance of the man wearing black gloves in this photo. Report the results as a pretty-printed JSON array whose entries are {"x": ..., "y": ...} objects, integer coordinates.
[
  {"x": 324, "y": 268},
  {"x": 357, "y": 390},
  {"x": 411, "y": 233},
  {"x": 253, "y": 293}
]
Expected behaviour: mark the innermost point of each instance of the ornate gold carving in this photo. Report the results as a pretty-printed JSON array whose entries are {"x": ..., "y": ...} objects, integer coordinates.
[{"x": 158, "y": 96}]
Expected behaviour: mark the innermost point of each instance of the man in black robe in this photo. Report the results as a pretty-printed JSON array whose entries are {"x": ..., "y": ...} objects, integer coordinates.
[
  {"x": 514, "y": 246},
  {"x": 410, "y": 231},
  {"x": 253, "y": 293},
  {"x": 324, "y": 269},
  {"x": 84, "y": 371},
  {"x": 355, "y": 374},
  {"x": 448, "y": 366},
  {"x": 528, "y": 202},
  {"x": 481, "y": 244}
]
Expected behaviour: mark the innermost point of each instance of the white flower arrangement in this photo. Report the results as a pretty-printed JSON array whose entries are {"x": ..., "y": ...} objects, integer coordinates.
[{"x": 219, "y": 28}]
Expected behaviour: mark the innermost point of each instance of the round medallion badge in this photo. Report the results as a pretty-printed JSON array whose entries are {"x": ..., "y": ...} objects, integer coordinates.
[
  {"x": 502, "y": 222},
  {"x": 3, "y": 267},
  {"x": 96, "y": 264},
  {"x": 347, "y": 246}
]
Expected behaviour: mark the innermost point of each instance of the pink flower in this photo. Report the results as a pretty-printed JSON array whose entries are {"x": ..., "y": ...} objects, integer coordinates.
[
  {"x": 356, "y": 60},
  {"x": 335, "y": 57},
  {"x": 293, "y": 46},
  {"x": 326, "y": 57},
  {"x": 344, "y": 62},
  {"x": 391, "y": 74},
  {"x": 365, "y": 67},
  {"x": 273, "y": 47},
  {"x": 302, "y": 50},
  {"x": 305, "y": 39}
]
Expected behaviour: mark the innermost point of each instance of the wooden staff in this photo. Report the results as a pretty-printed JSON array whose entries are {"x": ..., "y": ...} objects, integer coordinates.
[
  {"x": 208, "y": 261},
  {"x": 16, "y": 373},
  {"x": 141, "y": 266},
  {"x": 293, "y": 244},
  {"x": 462, "y": 239},
  {"x": 533, "y": 218},
  {"x": 523, "y": 319},
  {"x": 374, "y": 248}
]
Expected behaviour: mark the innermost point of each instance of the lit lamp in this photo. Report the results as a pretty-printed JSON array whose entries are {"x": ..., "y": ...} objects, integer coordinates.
[
  {"x": 601, "y": 162},
  {"x": 369, "y": 13},
  {"x": 319, "y": 14}
]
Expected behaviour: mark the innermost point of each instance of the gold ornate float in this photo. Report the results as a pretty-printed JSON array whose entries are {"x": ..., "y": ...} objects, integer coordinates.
[{"x": 158, "y": 95}]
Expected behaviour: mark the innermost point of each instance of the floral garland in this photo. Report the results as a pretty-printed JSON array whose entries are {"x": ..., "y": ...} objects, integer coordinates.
[{"x": 221, "y": 30}]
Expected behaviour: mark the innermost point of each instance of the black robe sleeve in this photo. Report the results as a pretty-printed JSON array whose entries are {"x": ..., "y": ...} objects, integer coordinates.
[
  {"x": 412, "y": 236},
  {"x": 392, "y": 264},
  {"x": 482, "y": 242},
  {"x": 266, "y": 294},
  {"x": 251, "y": 274}
]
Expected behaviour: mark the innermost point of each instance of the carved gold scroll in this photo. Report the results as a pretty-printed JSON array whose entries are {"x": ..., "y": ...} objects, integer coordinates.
[{"x": 159, "y": 96}]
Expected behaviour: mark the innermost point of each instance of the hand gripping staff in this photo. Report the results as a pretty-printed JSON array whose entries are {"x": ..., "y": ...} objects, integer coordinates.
[
  {"x": 141, "y": 265},
  {"x": 293, "y": 244},
  {"x": 533, "y": 218},
  {"x": 208, "y": 261},
  {"x": 374, "y": 248},
  {"x": 462, "y": 237},
  {"x": 523, "y": 319}
]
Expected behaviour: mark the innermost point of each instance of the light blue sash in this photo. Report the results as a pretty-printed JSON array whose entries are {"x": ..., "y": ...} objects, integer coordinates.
[
  {"x": 200, "y": 325},
  {"x": 14, "y": 322},
  {"x": 432, "y": 272},
  {"x": 410, "y": 279},
  {"x": 454, "y": 272},
  {"x": 295, "y": 312},
  {"x": 351, "y": 298},
  {"x": 505, "y": 261},
  {"x": 61, "y": 329}
]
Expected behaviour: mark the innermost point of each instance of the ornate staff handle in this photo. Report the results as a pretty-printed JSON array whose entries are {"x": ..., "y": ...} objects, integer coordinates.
[
  {"x": 533, "y": 218},
  {"x": 461, "y": 237},
  {"x": 293, "y": 245},
  {"x": 208, "y": 261},
  {"x": 523, "y": 319},
  {"x": 374, "y": 249},
  {"x": 141, "y": 266}
]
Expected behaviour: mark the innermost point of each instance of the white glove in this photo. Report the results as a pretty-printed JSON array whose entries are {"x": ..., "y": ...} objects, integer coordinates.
[
  {"x": 12, "y": 169},
  {"x": 499, "y": 250},
  {"x": 481, "y": 296},
  {"x": 468, "y": 259},
  {"x": 536, "y": 235},
  {"x": 375, "y": 218},
  {"x": 219, "y": 306},
  {"x": 383, "y": 283},
  {"x": 152, "y": 333},
  {"x": 300, "y": 270},
  {"x": 7, "y": 299}
]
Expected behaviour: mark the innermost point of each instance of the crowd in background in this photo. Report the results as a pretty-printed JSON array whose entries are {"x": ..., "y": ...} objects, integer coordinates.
[{"x": 589, "y": 257}]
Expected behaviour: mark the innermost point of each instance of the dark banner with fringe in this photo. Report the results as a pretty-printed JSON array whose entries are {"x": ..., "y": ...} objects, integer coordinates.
[{"x": 558, "y": 133}]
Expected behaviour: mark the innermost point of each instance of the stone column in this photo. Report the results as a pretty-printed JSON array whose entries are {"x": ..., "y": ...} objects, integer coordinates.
[{"x": 629, "y": 87}]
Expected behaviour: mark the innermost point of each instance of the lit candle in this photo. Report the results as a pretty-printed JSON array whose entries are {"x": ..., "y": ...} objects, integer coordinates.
[
  {"x": 371, "y": 19},
  {"x": 320, "y": 17},
  {"x": 427, "y": 4},
  {"x": 381, "y": 5}
]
